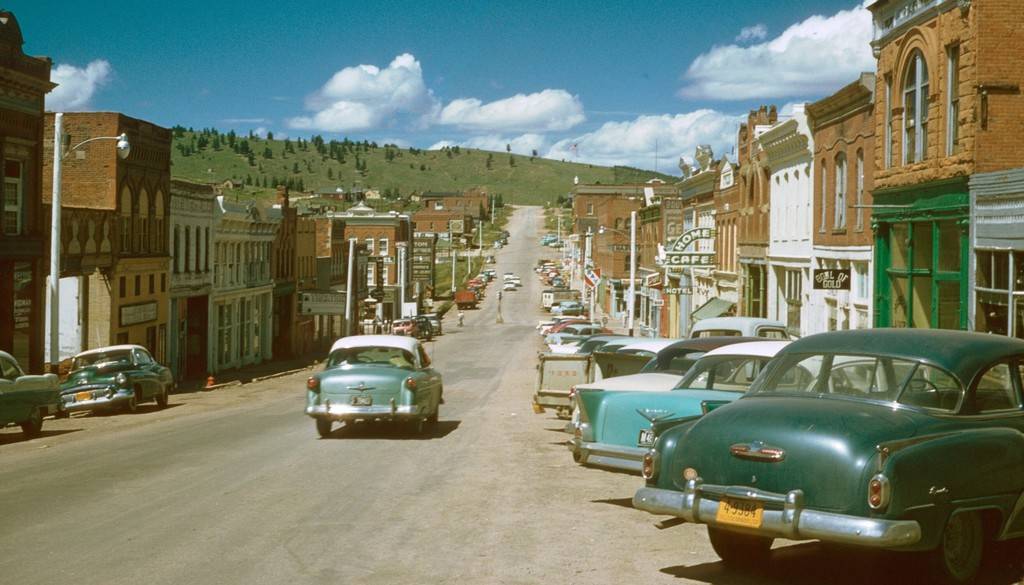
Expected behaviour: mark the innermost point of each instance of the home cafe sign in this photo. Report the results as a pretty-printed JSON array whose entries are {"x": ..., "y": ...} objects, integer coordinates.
[{"x": 678, "y": 254}]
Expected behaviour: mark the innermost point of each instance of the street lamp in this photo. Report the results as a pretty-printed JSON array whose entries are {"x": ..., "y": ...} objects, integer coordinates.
[
  {"x": 124, "y": 148},
  {"x": 632, "y": 265}
]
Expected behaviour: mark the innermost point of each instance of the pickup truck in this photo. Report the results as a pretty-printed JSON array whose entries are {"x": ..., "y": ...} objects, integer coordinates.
[
  {"x": 556, "y": 375},
  {"x": 465, "y": 299}
]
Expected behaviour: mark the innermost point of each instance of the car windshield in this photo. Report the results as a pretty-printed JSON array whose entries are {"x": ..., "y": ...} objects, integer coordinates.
[
  {"x": 865, "y": 377},
  {"x": 673, "y": 362},
  {"x": 734, "y": 373},
  {"x": 377, "y": 356},
  {"x": 120, "y": 357}
]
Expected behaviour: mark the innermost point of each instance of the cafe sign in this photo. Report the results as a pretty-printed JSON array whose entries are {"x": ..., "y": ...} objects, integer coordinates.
[
  {"x": 831, "y": 279},
  {"x": 679, "y": 255}
]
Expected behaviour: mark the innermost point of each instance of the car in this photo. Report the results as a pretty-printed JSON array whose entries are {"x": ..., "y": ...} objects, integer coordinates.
[
  {"x": 435, "y": 323},
  {"x": 574, "y": 332},
  {"x": 115, "y": 377},
  {"x": 508, "y": 286},
  {"x": 375, "y": 378},
  {"x": 569, "y": 308},
  {"x": 614, "y": 427},
  {"x": 26, "y": 400},
  {"x": 553, "y": 324},
  {"x": 899, "y": 439},
  {"x": 425, "y": 328},
  {"x": 405, "y": 327},
  {"x": 620, "y": 360},
  {"x": 740, "y": 327}
]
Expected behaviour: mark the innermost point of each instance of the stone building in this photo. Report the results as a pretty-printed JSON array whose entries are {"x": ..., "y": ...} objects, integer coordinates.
[
  {"x": 306, "y": 281},
  {"x": 843, "y": 127},
  {"x": 752, "y": 221},
  {"x": 24, "y": 223},
  {"x": 692, "y": 288},
  {"x": 241, "y": 302},
  {"x": 725, "y": 294},
  {"x": 114, "y": 242},
  {"x": 787, "y": 148},
  {"x": 386, "y": 237},
  {"x": 283, "y": 267},
  {"x": 191, "y": 218}
]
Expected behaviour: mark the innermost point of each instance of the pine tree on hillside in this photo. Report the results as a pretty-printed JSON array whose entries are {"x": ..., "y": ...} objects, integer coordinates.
[
  {"x": 490, "y": 161},
  {"x": 270, "y": 135}
]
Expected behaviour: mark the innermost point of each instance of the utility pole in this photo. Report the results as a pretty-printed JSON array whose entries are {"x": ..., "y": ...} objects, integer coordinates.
[
  {"x": 451, "y": 252},
  {"x": 349, "y": 316},
  {"x": 632, "y": 270}
]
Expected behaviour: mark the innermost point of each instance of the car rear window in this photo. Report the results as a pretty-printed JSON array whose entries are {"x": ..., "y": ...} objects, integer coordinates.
[
  {"x": 377, "y": 356},
  {"x": 866, "y": 377}
]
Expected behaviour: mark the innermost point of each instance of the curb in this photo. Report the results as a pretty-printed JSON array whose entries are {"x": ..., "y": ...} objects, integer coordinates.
[{"x": 279, "y": 374}]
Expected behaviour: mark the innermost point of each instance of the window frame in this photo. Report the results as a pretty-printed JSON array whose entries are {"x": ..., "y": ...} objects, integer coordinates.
[
  {"x": 953, "y": 145},
  {"x": 18, "y": 208},
  {"x": 917, "y": 90},
  {"x": 839, "y": 196}
]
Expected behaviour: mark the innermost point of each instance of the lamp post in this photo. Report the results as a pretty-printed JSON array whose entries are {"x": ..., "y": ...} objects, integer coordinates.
[
  {"x": 632, "y": 267},
  {"x": 123, "y": 150}
]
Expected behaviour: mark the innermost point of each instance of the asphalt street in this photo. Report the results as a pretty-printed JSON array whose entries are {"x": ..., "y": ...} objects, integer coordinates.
[{"x": 234, "y": 487}]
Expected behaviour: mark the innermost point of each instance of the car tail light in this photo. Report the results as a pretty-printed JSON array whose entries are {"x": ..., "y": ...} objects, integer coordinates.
[
  {"x": 313, "y": 384},
  {"x": 410, "y": 383},
  {"x": 572, "y": 392},
  {"x": 647, "y": 469},
  {"x": 879, "y": 492}
]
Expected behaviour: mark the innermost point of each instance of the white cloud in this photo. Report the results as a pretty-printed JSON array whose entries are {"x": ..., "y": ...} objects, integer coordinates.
[
  {"x": 638, "y": 142},
  {"x": 544, "y": 111},
  {"x": 77, "y": 85},
  {"x": 524, "y": 144},
  {"x": 752, "y": 33},
  {"x": 261, "y": 132},
  {"x": 365, "y": 96},
  {"x": 810, "y": 58}
]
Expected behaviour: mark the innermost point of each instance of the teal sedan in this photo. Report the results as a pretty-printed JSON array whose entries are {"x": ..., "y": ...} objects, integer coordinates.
[
  {"x": 375, "y": 378},
  {"x": 908, "y": 440},
  {"x": 617, "y": 415},
  {"x": 118, "y": 377},
  {"x": 25, "y": 400}
]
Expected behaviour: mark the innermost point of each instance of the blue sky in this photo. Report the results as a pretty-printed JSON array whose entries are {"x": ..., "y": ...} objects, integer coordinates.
[{"x": 619, "y": 80}]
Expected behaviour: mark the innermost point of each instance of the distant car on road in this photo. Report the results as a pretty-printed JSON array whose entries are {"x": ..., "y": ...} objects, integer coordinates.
[
  {"x": 508, "y": 286},
  {"x": 435, "y": 323},
  {"x": 25, "y": 400},
  {"x": 375, "y": 377},
  {"x": 119, "y": 376}
]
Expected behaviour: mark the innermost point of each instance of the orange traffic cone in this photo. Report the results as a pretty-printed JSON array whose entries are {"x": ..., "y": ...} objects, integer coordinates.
[{"x": 210, "y": 382}]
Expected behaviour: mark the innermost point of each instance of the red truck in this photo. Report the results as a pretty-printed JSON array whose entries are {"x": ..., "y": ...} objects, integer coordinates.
[{"x": 465, "y": 299}]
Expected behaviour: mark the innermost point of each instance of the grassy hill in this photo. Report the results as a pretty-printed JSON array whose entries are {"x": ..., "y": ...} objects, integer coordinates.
[{"x": 318, "y": 165}]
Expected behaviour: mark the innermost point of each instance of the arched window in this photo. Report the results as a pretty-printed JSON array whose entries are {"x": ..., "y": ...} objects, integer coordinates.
[
  {"x": 860, "y": 190},
  {"x": 142, "y": 235},
  {"x": 824, "y": 195},
  {"x": 126, "y": 220},
  {"x": 159, "y": 235},
  {"x": 188, "y": 248},
  {"x": 839, "y": 213},
  {"x": 177, "y": 248},
  {"x": 915, "y": 109}
]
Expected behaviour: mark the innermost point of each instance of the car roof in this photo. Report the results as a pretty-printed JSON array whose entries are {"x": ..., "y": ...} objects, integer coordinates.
[
  {"x": 751, "y": 348},
  {"x": 961, "y": 352},
  {"x": 400, "y": 341},
  {"x": 738, "y": 323},
  {"x": 8, "y": 356},
  {"x": 651, "y": 345},
  {"x": 709, "y": 343},
  {"x": 123, "y": 347}
]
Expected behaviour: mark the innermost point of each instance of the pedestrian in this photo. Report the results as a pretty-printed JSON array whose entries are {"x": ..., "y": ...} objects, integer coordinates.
[{"x": 461, "y": 316}]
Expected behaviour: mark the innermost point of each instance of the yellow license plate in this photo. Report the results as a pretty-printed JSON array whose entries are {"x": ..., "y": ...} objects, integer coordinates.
[
  {"x": 83, "y": 396},
  {"x": 740, "y": 513}
]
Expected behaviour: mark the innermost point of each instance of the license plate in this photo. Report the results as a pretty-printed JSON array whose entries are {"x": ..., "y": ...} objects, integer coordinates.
[
  {"x": 646, "y": 438},
  {"x": 362, "y": 400},
  {"x": 740, "y": 513},
  {"x": 83, "y": 396}
]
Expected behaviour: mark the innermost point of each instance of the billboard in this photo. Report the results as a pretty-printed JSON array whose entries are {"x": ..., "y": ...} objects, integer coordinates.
[{"x": 423, "y": 256}]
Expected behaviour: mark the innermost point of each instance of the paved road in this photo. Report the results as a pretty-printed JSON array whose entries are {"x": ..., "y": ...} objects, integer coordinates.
[{"x": 233, "y": 486}]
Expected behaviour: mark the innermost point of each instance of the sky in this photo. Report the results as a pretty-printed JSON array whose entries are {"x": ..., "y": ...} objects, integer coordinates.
[{"x": 634, "y": 83}]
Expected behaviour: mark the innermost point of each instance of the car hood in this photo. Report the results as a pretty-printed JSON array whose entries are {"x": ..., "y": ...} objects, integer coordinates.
[
  {"x": 617, "y": 417},
  {"x": 93, "y": 375},
  {"x": 829, "y": 446}
]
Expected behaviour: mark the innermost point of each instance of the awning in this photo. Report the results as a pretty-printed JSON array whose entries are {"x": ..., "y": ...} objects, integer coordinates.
[{"x": 716, "y": 307}]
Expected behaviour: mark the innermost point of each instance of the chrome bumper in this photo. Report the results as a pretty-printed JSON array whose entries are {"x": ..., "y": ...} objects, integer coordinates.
[
  {"x": 346, "y": 412},
  {"x": 100, "y": 399},
  {"x": 606, "y": 455},
  {"x": 793, "y": 521},
  {"x": 552, "y": 398}
]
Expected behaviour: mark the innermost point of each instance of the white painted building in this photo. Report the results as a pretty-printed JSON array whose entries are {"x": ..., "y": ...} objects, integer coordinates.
[
  {"x": 788, "y": 146},
  {"x": 241, "y": 301}
]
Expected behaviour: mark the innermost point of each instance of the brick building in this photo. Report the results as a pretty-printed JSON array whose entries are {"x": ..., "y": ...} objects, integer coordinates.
[
  {"x": 284, "y": 266},
  {"x": 24, "y": 228},
  {"x": 440, "y": 222},
  {"x": 754, "y": 199},
  {"x": 386, "y": 237},
  {"x": 690, "y": 290},
  {"x": 472, "y": 202},
  {"x": 306, "y": 281},
  {"x": 727, "y": 212},
  {"x": 191, "y": 219},
  {"x": 118, "y": 207},
  {"x": 843, "y": 127}
]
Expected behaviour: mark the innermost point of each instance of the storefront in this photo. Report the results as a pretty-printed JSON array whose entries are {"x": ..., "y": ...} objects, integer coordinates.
[
  {"x": 922, "y": 252},
  {"x": 998, "y": 284}
]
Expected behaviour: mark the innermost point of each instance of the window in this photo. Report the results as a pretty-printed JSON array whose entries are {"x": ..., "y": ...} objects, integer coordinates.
[
  {"x": 159, "y": 236},
  {"x": 824, "y": 195},
  {"x": 915, "y": 110},
  {"x": 163, "y": 282},
  {"x": 369, "y": 246},
  {"x": 122, "y": 287},
  {"x": 888, "y": 124},
  {"x": 152, "y": 283},
  {"x": 999, "y": 297},
  {"x": 138, "y": 284},
  {"x": 187, "y": 251},
  {"x": 177, "y": 249},
  {"x": 142, "y": 234},
  {"x": 924, "y": 275},
  {"x": 860, "y": 190},
  {"x": 590, "y": 209},
  {"x": 839, "y": 213},
  {"x": 953, "y": 100},
  {"x": 995, "y": 390},
  {"x": 126, "y": 220},
  {"x": 13, "y": 198},
  {"x": 383, "y": 246}
]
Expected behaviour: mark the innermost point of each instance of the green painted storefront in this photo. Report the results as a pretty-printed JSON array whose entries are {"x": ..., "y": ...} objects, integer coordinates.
[{"x": 922, "y": 255}]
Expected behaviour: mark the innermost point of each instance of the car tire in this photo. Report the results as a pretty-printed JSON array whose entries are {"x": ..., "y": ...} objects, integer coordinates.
[
  {"x": 132, "y": 404},
  {"x": 323, "y": 427},
  {"x": 161, "y": 398},
  {"x": 417, "y": 426},
  {"x": 33, "y": 425},
  {"x": 563, "y": 412},
  {"x": 958, "y": 556},
  {"x": 740, "y": 550},
  {"x": 432, "y": 419}
]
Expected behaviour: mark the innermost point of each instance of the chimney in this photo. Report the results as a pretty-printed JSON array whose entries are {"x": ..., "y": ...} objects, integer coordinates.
[{"x": 282, "y": 196}]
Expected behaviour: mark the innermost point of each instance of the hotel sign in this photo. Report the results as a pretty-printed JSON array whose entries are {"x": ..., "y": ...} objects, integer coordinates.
[{"x": 831, "y": 279}]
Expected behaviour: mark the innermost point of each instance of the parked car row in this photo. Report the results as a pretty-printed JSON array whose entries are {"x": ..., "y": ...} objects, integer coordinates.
[
  {"x": 906, "y": 440},
  {"x": 114, "y": 378}
]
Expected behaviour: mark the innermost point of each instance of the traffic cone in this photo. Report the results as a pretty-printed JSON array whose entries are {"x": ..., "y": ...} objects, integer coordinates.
[{"x": 210, "y": 382}]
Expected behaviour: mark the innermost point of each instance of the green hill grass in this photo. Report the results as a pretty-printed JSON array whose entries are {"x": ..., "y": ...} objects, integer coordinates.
[{"x": 318, "y": 165}]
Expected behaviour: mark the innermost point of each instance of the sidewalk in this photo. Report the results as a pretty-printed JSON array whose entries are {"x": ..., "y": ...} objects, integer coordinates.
[{"x": 254, "y": 373}]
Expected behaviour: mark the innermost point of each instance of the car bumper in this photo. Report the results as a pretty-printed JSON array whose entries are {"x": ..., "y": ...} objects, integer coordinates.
[
  {"x": 607, "y": 455},
  {"x": 552, "y": 398},
  {"x": 347, "y": 412},
  {"x": 101, "y": 398},
  {"x": 793, "y": 521}
]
